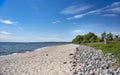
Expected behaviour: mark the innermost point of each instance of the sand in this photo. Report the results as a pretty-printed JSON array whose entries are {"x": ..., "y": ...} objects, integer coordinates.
[{"x": 49, "y": 61}]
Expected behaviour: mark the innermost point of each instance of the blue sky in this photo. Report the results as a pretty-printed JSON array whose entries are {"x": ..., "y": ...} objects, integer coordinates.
[{"x": 56, "y": 20}]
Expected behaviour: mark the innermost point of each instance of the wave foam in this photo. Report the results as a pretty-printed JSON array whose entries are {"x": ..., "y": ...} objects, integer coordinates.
[{"x": 13, "y": 54}]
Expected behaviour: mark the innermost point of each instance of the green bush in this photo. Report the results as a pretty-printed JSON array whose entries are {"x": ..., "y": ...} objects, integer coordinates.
[
  {"x": 98, "y": 40},
  {"x": 91, "y": 37},
  {"x": 77, "y": 40}
]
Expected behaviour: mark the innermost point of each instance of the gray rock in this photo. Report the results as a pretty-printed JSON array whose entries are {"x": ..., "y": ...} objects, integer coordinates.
[{"x": 88, "y": 61}]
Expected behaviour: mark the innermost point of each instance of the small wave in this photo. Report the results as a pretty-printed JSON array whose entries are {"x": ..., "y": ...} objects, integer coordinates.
[
  {"x": 13, "y": 54},
  {"x": 6, "y": 56},
  {"x": 41, "y": 48}
]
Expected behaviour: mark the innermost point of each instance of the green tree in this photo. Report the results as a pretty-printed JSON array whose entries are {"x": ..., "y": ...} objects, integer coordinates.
[
  {"x": 109, "y": 36},
  {"x": 78, "y": 39},
  {"x": 85, "y": 39},
  {"x": 91, "y": 37},
  {"x": 98, "y": 39},
  {"x": 116, "y": 36},
  {"x": 103, "y": 36}
]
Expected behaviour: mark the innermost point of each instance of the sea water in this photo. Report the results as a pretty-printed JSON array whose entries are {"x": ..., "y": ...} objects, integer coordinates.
[{"x": 7, "y": 48}]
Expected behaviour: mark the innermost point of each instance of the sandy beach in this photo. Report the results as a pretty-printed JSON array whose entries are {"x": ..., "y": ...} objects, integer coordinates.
[{"x": 49, "y": 61}]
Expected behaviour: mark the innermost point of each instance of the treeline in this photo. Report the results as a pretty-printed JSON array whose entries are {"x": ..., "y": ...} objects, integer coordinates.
[{"x": 91, "y": 37}]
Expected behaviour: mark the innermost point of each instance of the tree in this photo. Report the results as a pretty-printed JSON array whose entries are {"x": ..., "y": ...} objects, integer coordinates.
[
  {"x": 103, "y": 36},
  {"x": 110, "y": 36},
  {"x": 98, "y": 39},
  {"x": 85, "y": 39},
  {"x": 91, "y": 37},
  {"x": 116, "y": 36},
  {"x": 77, "y": 40}
]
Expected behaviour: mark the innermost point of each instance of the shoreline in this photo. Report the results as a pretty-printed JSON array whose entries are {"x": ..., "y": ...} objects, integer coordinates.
[
  {"x": 53, "y": 60},
  {"x": 38, "y": 49},
  {"x": 13, "y": 54}
]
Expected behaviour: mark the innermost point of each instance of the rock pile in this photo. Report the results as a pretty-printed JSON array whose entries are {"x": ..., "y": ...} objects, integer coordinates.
[{"x": 88, "y": 61}]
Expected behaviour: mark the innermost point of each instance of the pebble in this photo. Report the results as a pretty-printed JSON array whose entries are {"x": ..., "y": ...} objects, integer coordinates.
[
  {"x": 89, "y": 61},
  {"x": 64, "y": 62}
]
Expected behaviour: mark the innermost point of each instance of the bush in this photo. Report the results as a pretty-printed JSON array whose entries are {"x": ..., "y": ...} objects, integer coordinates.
[
  {"x": 98, "y": 40},
  {"x": 91, "y": 37},
  {"x": 77, "y": 40}
]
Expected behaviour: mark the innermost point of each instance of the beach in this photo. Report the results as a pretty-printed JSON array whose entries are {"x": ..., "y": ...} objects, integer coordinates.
[
  {"x": 68, "y": 59},
  {"x": 53, "y": 60}
]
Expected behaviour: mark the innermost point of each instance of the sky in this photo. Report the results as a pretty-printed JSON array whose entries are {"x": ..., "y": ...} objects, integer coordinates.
[{"x": 56, "y": 20}]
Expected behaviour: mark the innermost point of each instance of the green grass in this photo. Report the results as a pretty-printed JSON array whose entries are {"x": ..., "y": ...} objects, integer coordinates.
[{"x": 111, "y": 47}]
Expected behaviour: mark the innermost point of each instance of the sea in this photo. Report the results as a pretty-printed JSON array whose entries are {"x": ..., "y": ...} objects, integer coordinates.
[{"x": 13, "y": 48}]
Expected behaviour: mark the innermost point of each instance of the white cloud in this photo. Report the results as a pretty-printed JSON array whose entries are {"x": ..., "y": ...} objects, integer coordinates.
[
  {"x": 109, "y": 15},
  {"x": 116, "y": 32},
  {"x": 4, "y": 33},
  {"x": 115, "y": 4},
  {"x": 114, "y": 8},
  {"x": 56, "y": 22},
  {"x": 74, "y": 9},
  {"x": 82, "y": 15},
  {"x": 97, "y": 11},
  {"x": 8, "y": 22},
  {"x": 6, "y": 37},
  {"x": 52, "y": 39},
  {"x": 11, "y": 38},
  {"x": 76, "y": 16},
  {"x": 77, "y": 31}
]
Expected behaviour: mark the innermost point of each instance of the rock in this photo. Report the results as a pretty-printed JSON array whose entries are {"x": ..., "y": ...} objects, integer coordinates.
[
  {"x": 88, "y": 61},
  {"x": 46, "y": 54},
  {"x": 70, "y": 54},
  {"x": 64, "y": 62}
]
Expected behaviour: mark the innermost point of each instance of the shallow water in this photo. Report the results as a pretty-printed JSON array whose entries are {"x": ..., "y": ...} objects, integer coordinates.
[{"x": 16, "y": 47}]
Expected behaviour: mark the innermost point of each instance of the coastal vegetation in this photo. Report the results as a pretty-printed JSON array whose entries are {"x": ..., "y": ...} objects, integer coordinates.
[{"x": 92, "y": 40}]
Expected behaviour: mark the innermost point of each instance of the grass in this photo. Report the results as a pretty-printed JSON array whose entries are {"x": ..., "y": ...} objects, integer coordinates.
[{"x": 111, "y": 47}]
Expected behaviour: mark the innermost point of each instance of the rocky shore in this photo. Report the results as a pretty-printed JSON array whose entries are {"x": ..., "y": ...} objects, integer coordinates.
[
  {"x": 88, "y": 61},
  {"x": 67, "y": 59}
]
